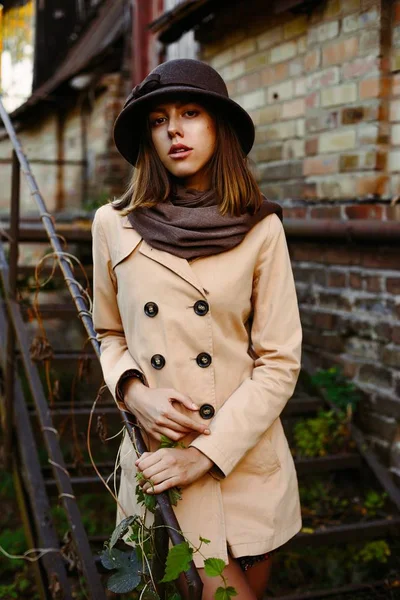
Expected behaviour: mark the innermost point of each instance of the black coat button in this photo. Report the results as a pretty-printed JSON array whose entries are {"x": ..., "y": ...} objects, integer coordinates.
[
  {"x": 151, "y": 309},
  {"x": 207, "y": 411},
  {"x": 204, "y": 359},
  {"x": 157, "y": 361},
  {"x": 201, "y": 308}
]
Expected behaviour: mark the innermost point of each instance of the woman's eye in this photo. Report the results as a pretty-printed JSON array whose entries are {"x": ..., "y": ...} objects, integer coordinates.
[
  {"x": 157, "y": 121},
  {"x": 191, "y": 113}
]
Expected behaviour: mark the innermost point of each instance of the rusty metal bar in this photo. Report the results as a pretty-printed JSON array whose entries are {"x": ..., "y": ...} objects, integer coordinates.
[
  {"x": 353, "y": 230},
  {"x": 194, "y": 582},
  {"x": 8, "y": 415},
  {"x": 33, "y": 478},
  {"x": 47, "y": 161}
]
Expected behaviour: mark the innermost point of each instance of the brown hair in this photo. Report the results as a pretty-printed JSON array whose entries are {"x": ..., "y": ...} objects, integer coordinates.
[{"x": 231, "y": 178}]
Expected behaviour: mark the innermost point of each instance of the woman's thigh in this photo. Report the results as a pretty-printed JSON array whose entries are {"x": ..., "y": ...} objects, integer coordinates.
[
  {"x": 234, "y": 576},
  {"x": 258, "y": 576}
]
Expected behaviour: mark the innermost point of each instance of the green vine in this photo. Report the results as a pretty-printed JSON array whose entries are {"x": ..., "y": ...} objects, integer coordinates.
[{"x": 134, "y": 568}]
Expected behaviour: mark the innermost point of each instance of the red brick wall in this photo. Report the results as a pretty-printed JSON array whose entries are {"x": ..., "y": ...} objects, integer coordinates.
[{"x": 324, "y": 92}]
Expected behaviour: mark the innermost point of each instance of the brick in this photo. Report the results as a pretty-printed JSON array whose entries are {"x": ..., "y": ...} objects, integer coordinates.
[
  {"x": 326, "y": 212},
  {"x": 272, "y": 74},
  {"x": 336, "y": 279},
  {"x": 233, "y": 70},
  {"x": 332, "y": 9},
  {"x": 391, "y": 356},
  {"x": 312, "y": 59},
  {"x": 322, "y": 79},
  {"x": 269, "y": 114},
  {"x": 360, "y": 161},
  {"x": 320, "y": 165},
  {"x": 373, "y": 283},
  {"x": 256, "y": 61},
  {"x": 395, "y": 60},
  {"x": 375, "y": 375},
  {"x": 248, "y": 46},
  {"x": 297, "y": 212},
  {"x": 300, "y": 87},
  {"x": 269, "y": 153},
  {"x": 296, "y": 67},
  {"x": 324, "y": 32},
  {"x": 300, "y": 128},
  {"x": 370, "y": 42},
  {"x": 355, "y": 281},
  {"x": 336, "y": 188},
  {"x": 340, "y": 94},
  {"x": 278, "y": 131},
  {"x": 386, "y": 258},
  {"x": 372, "y": 185},
  {"x": 364, "y": 211},
  {"x": 295, "y": 28},
  {"x": 393, "y": 212},
  {"x": 270, "y": 38},
  {"x": 321, "y": 120},
  {"x": 293, "y": 149},
  {"x": 396, "y": 84},
  {"x": 337, "y": 141},
  {"x": 302, "y": 45},
  {"x": 340, "y": 52},
  {"x": 350, "y": 23},
  {"x": 328, "y": 299},
  {"x": 396, "y": 37},
  {"x": 365, "y": 349},
  {"x": 283, "y": 52},
  {"x": 350, "y": 6},
  {"x": 223, "y": 58},
  {"x": 396, "y": 335},
  {"x": 248, "y": 83},
  {"x": 253, "y": 99},
  {"x": 357, "y": 114},
  {"x": 397, "y": 12},
  {"x": 393, "y": 285},
  {"x": 293, "y": 109},
  {"x": 394, "y": 111},
  {"x": 311, "y": 147},
  {"x": 281, "y": 91},
  {"x": 394, "y": 160},
  {"x": 395, "y": 134},
  {"x": 286, "y": 170},
  {"x": 369, "y": 88},
  {"x": 368, "y": 65},
  {"x": 313, "y": 100}
]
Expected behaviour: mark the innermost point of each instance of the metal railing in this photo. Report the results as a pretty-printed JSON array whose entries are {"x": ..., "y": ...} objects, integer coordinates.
[{"x": 16, "y": 336}]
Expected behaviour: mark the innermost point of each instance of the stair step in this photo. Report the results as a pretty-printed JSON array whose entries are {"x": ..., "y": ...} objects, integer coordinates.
[
  {"x": 354, "y": 532},
  {"x": 82, "y": 484},
  {"x": 323, "y": 464}
]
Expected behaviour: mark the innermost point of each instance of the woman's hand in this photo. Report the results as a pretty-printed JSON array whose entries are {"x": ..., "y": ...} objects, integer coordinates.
[
  {"x": 171, "y": 467},
  {"x": 154, "y": 409}
]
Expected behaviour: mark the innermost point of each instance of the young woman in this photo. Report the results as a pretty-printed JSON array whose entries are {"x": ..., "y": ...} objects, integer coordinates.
[{"x": 196, "y": 311}]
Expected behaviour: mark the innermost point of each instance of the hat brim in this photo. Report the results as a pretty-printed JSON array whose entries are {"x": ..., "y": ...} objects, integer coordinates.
[{"x": 126, "y": 123}]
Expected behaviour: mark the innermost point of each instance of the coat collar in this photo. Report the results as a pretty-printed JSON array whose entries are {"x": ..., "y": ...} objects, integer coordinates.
[{"x": 178, "y": 265}]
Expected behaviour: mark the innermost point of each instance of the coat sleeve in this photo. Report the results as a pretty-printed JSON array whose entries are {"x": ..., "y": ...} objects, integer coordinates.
[
  {"x": 276, "y": 337},
  {"x": 116, "y": 360}
]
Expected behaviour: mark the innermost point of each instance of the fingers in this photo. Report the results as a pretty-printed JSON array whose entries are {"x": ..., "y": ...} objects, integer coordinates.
[
  {"x": 183, "y": 399},
  {"x": 163, "y": 486}
]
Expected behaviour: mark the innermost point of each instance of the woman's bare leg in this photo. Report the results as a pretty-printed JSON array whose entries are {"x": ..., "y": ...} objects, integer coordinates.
[
  {"x": 235, "y": 577},
  {"x": 258, "y": 576}
]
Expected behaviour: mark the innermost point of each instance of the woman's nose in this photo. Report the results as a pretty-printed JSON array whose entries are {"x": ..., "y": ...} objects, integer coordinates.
[{"x": 174, "y": 128}]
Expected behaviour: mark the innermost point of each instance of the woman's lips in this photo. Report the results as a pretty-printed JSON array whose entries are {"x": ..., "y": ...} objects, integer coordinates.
[{"x": 180, "y": 155}]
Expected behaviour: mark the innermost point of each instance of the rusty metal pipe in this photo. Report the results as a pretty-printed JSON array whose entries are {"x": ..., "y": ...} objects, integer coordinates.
[{"x": 352, "y": 231}]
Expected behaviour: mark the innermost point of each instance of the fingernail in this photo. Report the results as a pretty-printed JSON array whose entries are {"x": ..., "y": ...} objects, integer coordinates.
[
  {"x": 194, "y": 405},
  {"x": 207, "y": 431}
]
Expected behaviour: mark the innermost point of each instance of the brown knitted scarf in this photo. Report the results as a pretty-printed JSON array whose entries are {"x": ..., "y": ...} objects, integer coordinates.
[{"x": 190, "y": 226}]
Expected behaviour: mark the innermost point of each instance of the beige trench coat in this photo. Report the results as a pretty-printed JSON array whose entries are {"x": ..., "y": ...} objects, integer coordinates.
[{"x": 255, "y": 507}]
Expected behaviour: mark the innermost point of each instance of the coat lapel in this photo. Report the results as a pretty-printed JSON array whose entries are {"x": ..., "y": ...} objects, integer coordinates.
[{"x": 178, "y": 265}]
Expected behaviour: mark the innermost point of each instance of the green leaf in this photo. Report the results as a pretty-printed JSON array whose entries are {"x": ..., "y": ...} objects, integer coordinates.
[
  {"x": 225, "y": 593},
  {"x": 167, "y": 443},
  {"x": 204, "y": 540},
  {"x": 213, "y": 567},
  {"x": 178, "y": 561},
  {"x": 174, "y": 495},
  {"x": 123, "y": 581},
  {"x": 114, "y": 558},
  {"x": 120, "y": 530},
  {"x": 150, "y": 502}
]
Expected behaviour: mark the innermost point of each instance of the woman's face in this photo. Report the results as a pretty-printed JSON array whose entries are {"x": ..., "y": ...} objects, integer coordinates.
[{"x": 184, "y": 136}]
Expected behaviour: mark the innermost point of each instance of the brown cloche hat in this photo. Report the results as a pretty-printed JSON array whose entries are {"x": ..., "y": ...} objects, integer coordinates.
[{"x": 179, "y": 75}]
